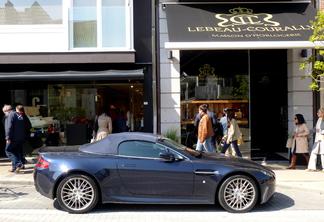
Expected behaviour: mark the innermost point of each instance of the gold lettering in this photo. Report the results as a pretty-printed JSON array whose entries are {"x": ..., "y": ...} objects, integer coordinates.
[
  {"x": 272, "y": 23},
  {"x": 200, "y": 29},
  {"x": 191, "y": 30},
  {"x": 238, "y": 20},
  {"x": 209, "y": 29},
  {"x": 250, "y": 18},
  {"x": 224, "y": 20},
  {"x": 278, "y": 29}
]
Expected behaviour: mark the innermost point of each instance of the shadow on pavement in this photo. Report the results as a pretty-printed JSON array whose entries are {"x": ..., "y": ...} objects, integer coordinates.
[
  {"x": 279, "y": 201},
  {"x": 9, "y": 193}
]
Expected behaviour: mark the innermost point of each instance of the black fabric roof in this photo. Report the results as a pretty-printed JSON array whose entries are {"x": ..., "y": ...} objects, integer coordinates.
[{"x": 109, "y": 145}]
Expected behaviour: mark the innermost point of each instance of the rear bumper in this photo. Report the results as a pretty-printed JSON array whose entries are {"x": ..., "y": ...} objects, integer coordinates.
[{"x": 43, "y": 183}]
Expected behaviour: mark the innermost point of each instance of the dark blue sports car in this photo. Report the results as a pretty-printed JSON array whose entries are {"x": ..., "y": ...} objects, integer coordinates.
[{"x": 146, "y": 168}]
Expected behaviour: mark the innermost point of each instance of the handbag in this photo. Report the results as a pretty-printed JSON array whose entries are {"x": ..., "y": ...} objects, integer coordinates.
[
  {"x": 289, "y": 143},
  {"x": 240, "y": 140}
]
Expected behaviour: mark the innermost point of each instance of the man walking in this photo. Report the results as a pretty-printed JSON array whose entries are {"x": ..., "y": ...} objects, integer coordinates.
[
  {"x": 213, "y": 120},
  {"x": 205, "y": 131},
  {"x": 17, "y": 126}
]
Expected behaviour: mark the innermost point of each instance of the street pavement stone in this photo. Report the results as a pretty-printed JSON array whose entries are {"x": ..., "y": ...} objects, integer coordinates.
[{"x": 129, "y": 216}]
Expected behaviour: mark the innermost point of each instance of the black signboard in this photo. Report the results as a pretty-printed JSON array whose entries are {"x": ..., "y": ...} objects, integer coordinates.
[{"x": 239, "y": 22}]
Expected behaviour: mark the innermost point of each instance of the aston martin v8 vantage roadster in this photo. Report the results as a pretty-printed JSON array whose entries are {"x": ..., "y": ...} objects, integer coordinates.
[{"x": 149, "y": 169}]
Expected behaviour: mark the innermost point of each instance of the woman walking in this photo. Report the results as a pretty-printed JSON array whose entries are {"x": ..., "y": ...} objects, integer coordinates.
[
  {"x": 103, "y": 126},
  {"x": 300, "y": 141},
  {"x": 233, "y": 134},
  {"x": 318, "y": 147}
]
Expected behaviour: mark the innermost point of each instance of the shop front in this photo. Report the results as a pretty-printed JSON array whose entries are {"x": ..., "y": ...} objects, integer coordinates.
[
  {"x": 244, "y": 57},
  {"x": 62, "y": 106}
]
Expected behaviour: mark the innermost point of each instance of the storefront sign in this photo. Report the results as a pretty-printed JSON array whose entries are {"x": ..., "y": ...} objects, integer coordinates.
[{"x": 244, "y": 22}]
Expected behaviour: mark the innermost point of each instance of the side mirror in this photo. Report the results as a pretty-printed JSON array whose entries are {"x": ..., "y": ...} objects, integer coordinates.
[{"x": 168, "y": 157}]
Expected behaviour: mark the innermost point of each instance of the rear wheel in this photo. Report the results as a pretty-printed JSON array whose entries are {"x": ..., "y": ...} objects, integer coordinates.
[
  {"x": 77, "y": 194},
  {"x": 238, "y": 194}
]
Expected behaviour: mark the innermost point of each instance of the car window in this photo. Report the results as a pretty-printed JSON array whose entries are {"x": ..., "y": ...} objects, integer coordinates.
[{"x": 140, "y": 149}]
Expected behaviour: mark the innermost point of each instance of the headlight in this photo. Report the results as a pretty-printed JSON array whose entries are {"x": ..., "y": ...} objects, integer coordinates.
[{"x": 267, "y": 173}]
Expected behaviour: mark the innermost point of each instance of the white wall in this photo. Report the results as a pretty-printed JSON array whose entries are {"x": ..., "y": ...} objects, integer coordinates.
[
  {"x": 300, "y": 97},
  {"x": 169, "y": 81},
  {"x": 33, "y": 38}
]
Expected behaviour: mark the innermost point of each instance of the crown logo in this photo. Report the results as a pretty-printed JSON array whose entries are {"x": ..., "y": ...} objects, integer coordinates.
[{"x": 239, "y": 10}]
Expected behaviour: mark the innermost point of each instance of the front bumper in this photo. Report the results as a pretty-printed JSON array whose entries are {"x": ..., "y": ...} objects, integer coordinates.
[{"x": 268, "y": 188}]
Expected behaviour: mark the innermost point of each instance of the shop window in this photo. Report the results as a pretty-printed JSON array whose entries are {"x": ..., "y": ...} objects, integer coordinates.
[
  {"x": 219, "y": 79},
  {"x": 113, "y": 33},
  {"x": 17, "y": 12},
  {"x": 84, "y": 23},
  {"x": 64, "y": 114},
  {"x": 94, "y": 23}
]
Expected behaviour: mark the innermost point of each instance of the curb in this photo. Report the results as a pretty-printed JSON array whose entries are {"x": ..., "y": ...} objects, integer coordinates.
[
  {"x": 300, "y": 188},
  {"x": 16, "y": 182}
]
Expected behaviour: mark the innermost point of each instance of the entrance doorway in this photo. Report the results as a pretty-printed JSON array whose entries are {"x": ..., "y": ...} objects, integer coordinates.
[
  {"x": 252, "y": 82},
  {"x": 268, "y": 101}
]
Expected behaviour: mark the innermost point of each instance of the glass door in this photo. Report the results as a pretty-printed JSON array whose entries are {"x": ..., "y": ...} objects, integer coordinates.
[{"x": 219, "y": 79}]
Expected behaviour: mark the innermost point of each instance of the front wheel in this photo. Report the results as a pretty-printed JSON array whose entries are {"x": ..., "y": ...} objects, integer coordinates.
[
  {"x": 77, "y": 194},
  {"x": 238, "y": 194}
]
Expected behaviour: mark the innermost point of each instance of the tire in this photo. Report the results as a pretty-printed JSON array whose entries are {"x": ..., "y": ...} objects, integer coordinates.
[
  {"x": 238, "y": 194},
  {"x": 77, "y": 194}
]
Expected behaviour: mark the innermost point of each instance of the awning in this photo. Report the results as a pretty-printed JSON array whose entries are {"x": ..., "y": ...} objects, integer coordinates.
[
  {"x": 239, "y": 26},
  {"x": 74, "y": 75}
]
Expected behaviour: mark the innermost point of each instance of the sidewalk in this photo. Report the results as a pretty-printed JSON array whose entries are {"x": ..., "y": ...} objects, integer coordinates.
[
  {"x": 25, "y": 177},
  {"x": 295, "y": 179}
]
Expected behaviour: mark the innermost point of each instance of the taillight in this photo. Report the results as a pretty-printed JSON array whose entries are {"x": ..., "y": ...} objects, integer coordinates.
[{"x": 42, "y": 163}]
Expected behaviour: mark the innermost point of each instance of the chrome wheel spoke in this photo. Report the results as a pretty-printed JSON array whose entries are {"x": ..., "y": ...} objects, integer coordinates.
[
  {"x": 239, "y": 193},
  {"x": 77, "y": 193}
]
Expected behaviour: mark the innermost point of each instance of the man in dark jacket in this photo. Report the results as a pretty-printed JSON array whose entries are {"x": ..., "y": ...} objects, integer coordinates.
[{"x": 17, "y": 126}]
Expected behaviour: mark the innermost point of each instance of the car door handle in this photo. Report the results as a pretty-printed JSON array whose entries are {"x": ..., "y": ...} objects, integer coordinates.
[
  {"x": 206, "y": 172},
  {"x": 128, "y": 165}
]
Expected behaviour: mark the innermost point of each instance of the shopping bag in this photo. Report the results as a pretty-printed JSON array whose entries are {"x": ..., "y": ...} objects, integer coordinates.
[{"x": 289, "y": 143}]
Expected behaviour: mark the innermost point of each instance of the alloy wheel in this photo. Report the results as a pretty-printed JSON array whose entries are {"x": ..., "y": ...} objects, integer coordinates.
[
  {"x": 239, "y": 194},
  {"x": 77, "y": 194}
]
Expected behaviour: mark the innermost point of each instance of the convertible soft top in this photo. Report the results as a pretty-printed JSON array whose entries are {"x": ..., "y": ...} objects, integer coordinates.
[{"x": 109, "y": 145}]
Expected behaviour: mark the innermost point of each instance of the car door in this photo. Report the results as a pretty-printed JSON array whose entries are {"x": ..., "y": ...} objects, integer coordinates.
[{"x": 142, "y": 172}]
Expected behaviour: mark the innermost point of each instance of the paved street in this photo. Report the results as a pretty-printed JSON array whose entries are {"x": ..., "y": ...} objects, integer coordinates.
[{"x": 23, "y": 203}]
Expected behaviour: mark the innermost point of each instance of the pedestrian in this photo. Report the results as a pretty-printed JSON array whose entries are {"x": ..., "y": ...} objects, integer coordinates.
[
  {"x": 16, "y": 124},
  {"x": 300, "y": 141},
  {"x": 223, "y": 121},
  {"x": 121, "y": 121},
  {"x": 103, "y": 125},
  {"x": 318, "y": 147},
  {"x": 233, "y": 134},
  {"x": 205, "y": 131},
  {"x": 215, "y": 124}
]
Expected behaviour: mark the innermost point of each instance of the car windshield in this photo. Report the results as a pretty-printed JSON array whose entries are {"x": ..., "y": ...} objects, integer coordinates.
[{"x": 178, "y": 146}]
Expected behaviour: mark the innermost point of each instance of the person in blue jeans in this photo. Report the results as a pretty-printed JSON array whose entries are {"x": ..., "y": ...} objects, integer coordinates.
[
  {"x": 17, "y": 127},
  {"x": 205, "y": 131}
]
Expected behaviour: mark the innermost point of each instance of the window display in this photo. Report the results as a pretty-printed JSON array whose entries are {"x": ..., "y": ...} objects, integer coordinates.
[
  {"x": 220, "y": 80},
  {"x": 64, "y": 114}
]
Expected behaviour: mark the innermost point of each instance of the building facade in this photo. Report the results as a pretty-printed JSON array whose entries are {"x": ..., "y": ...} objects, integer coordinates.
[
  {"x": 241, "y": 55},
  {"x": 68, "y": 60}
]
